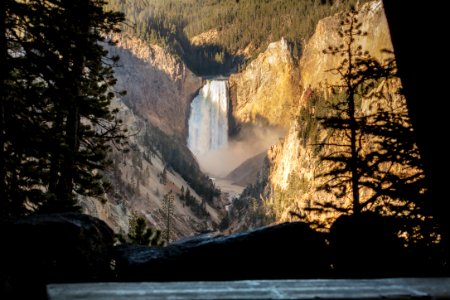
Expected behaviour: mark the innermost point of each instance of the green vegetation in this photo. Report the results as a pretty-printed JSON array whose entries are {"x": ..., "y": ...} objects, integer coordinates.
[
  {"x": 242, "y": 25},
  {"x": 163, "y": 176},
  {"x": 251, "y": 204},
  {"x": 256, "y": 189},
  {"x": 167, "y": 205},
  {"x": 150, "y": 143},
  {"x": 310, "y": 116},
  {"x": 139, "y": 233},
  {"x": 190, "y": 201},
  {"x": 56, "y": 126}
]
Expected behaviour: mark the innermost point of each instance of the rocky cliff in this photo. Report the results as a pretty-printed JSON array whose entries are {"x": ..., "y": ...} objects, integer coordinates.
[
  {"x": 157, "y": 84},
  {"x": 138, "y": 187},
  {"x": 314, "y": 65},
  {"x": 295, "y": 162},
  {"x": 275, "y": 89},
  {"x": 267, "y": 91},
  {"x": 282, "y": 94},
  {"x": 154, "y": 110}
]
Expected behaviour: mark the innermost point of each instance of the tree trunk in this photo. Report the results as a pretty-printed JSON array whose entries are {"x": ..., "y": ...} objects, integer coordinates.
[
  {"x": 354, "y": 154},
  {"x": 55, "y": 155},
  {"x": 71, "y": 138},
  {"x": 353, "y": 125},
  {"x": 80, "y": 30},
  {"x": 68, "y": 166}
]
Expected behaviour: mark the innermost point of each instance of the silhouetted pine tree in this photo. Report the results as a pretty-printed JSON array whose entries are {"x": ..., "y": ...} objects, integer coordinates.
[
  {"x": 56, "y": 123},
  {"x": 25, "y": 106},
  {"x": 370, "y": 151}
]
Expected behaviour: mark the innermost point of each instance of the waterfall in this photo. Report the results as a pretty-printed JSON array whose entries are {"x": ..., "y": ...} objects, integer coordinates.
[{"x": 208, "y": 121}]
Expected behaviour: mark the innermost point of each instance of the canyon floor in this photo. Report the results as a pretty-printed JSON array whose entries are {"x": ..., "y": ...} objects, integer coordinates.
[{"x": 228, "y": 187}]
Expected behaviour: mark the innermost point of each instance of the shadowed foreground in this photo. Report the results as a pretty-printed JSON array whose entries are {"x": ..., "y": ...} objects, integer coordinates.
[{"x": 398, "y": 288}]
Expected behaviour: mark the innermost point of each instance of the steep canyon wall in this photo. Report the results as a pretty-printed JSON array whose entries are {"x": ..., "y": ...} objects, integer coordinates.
[
  {"x": 154, "y": 110},
  {"x": 279, "y": 92}
]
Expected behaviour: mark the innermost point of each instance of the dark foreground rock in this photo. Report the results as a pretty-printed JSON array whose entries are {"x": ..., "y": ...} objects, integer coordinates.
[
  {"x": 289, "y": 250},
  {"x": 367, "y": 246},
  {"x": 53, "y": 248}
]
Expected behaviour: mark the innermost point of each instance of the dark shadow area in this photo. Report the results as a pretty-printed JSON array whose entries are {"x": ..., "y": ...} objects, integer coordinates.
[
  {"x": 71, "y": 248},
  {"x": 420, "y": 65},
  {"x": 264, "y": 253},
  {"x": 56, "y": 248},
  {"x": 370, "y": 168},
  {"x": 367, "y": 246}
]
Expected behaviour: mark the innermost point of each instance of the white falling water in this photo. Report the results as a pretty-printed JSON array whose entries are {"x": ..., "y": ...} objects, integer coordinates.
[{"x": 208, "y": 122}]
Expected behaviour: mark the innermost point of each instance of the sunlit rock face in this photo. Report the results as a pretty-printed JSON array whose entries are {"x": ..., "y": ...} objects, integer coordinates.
[
  {"x": 208, "y": 121},
  {"x": 315, "y": 66},
  {"x": 267, "y": 90},
  {"x": 274, "y": 88},
  {"x": 295, "y": 166}
]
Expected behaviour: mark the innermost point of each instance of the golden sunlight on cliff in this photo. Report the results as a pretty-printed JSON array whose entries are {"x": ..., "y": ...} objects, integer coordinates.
[{"x": 267, "y": 91}]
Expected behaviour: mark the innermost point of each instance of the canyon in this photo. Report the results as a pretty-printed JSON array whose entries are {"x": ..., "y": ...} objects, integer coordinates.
[{"x": 239, "y": 131}]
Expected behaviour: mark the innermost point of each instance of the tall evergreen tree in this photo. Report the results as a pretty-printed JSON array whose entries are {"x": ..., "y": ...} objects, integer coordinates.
[
  {"x": 57, "y": 123},
  {"x": 22, "y": 108},
  {"x": 168, "y": 209}
]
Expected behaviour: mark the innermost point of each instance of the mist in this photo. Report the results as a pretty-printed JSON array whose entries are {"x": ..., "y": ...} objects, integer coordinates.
[{"x": 251, "y": 140}]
